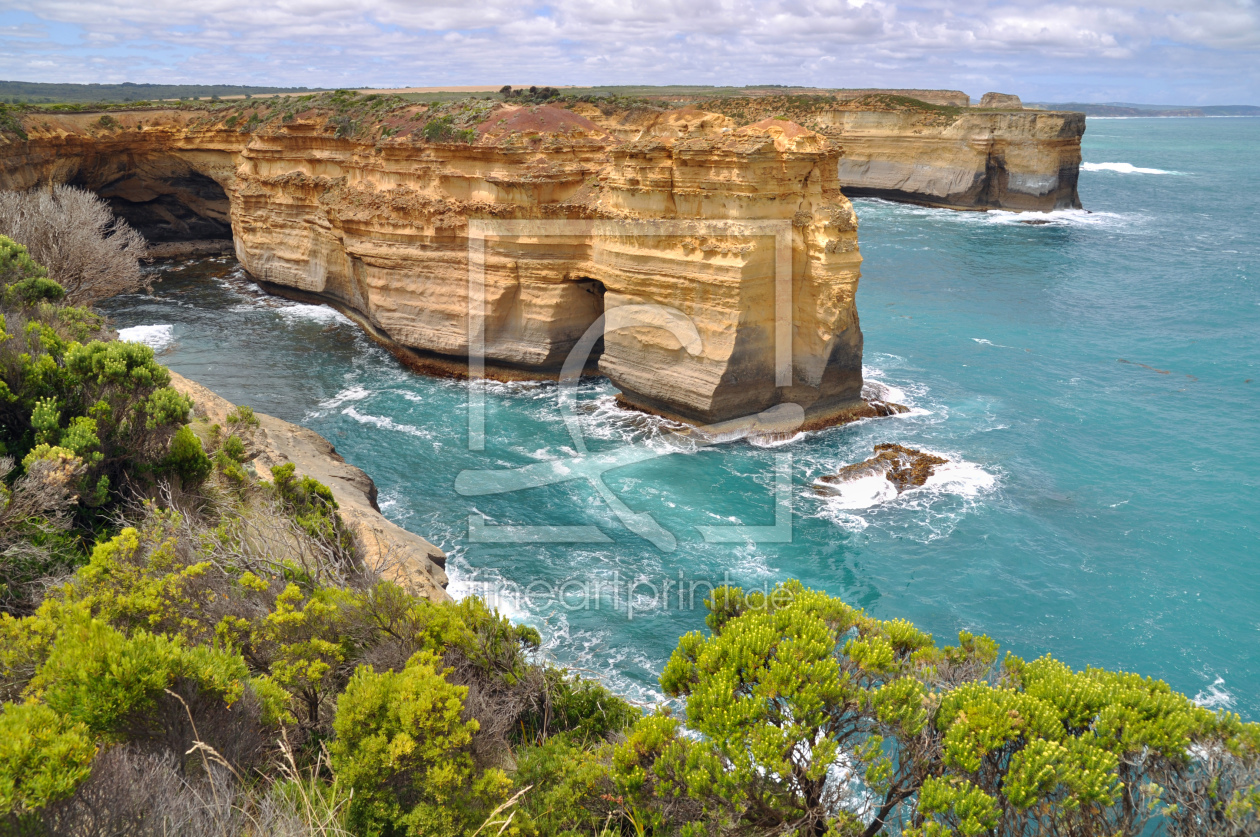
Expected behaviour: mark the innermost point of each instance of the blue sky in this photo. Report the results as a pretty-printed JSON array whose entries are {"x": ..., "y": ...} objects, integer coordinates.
[{"x": 1205, "y": 52}]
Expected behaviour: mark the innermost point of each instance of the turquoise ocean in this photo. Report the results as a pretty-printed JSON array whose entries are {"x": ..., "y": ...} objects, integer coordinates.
[{"x": 1094, "y": 380}]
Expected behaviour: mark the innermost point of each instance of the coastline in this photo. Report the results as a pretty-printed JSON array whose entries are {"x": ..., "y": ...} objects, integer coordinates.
[{"x": 401, "y": 556}]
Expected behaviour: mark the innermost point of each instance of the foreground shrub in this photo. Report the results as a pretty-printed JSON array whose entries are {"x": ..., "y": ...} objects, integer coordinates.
[
  {"x": 105, "y": 403},
  {"x": 405, "y": 749},
  {"x": 907, "y": 737},
  {"x": 42, "y": 758},
  {"x": 89, "y": 252}
]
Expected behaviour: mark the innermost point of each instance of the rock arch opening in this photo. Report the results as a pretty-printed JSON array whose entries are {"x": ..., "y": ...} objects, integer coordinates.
[{"x": 167, "y": 208}]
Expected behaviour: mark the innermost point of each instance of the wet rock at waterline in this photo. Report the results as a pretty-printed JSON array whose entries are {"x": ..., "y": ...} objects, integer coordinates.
[{"x": 904, "y": 467}]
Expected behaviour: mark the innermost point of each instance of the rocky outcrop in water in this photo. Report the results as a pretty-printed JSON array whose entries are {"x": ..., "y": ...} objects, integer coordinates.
[
  {"x": 904, "y": 467},
  {"x": 1001, "y": 100},
  {"x": 403, "y": 557}
]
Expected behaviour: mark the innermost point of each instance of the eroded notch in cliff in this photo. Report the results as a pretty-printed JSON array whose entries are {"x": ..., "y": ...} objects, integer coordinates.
[
  {"x": 596, "y": 289},
  {"x": 179, "y": 207}
]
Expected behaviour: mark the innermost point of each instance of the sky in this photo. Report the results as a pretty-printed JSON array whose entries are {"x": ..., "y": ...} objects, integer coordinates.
[{"x": 1192, "y": 52}]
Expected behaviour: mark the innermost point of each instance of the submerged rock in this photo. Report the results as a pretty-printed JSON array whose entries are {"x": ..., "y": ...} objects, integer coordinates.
[{"x": 904, "y": 467}]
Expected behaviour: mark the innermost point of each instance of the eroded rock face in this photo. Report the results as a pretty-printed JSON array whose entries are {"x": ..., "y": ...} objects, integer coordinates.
[
  {"x": 998, "y": 160},
  {"x": 1000, "y": 100},
  {"x": 928, "y": 149},
  {"x": 382, "y": 227},
  {"x": 671, "y": 223}
]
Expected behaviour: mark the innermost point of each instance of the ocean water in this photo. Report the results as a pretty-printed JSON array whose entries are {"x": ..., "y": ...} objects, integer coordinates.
[{"x": 1094, "y": 381}]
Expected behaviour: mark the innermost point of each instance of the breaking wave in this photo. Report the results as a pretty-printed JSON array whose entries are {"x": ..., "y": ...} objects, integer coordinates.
[
  {"x": 156, "y": 337},
  {"x": 1215, "y": 696},
  {"x": 1123, "y": 168},
  {"x": 877, "y": 207},
  {"x": 386, "y": 423},
  {"x": 312, "y": 313}
]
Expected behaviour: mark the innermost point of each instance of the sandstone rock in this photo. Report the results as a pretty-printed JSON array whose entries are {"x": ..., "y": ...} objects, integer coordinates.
[
  {"x": 380, "y": 225},
  {"x": 976, "y": 160},
  {"x": 904, "y": 467},
  {"x": 382, "y": 228},
  {"x": 405, "y": 558},
  {"x": 1001, "y": 100},
  {"x": 925, "y": 147}
]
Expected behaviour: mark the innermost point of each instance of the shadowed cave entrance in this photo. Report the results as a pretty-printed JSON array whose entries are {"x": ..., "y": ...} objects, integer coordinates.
[
  {"x": 594, "y": 309},
  {"x": 180, "y": 207}
]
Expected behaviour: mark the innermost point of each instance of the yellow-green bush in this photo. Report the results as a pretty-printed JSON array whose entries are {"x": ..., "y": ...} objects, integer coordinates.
[
  {"x": 43, "y": 757},
  {"x": 404, "y": 747}
]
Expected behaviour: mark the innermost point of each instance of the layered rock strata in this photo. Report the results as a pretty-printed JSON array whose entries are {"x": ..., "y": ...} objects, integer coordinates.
[
  {"x": 401, "y": 556},
  {"x": 677, "y": 238},
  {"x": 711, "y": 258},
  {"x": 1020, "y": 161},
  {"x": 993, "y": 156}
]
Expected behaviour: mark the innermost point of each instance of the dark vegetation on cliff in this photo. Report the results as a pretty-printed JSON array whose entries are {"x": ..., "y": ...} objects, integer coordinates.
[
  {"x": 35, "y": 92},
  {"x": 188, "y": 649},
  {"x": 452, "y": 119}
]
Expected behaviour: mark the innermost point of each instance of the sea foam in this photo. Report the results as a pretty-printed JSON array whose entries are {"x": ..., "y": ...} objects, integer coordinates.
[
  {"x": 157, "y": 337},
  {"x": 1123, "y": 168}
]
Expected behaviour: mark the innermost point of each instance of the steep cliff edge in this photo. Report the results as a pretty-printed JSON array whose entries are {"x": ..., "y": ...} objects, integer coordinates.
[
  {"x": 993, "y": 156},
  {"x": 405, "y": 558},
  {"x": 379, "y": 221},
  {"x": 708, "y": 255}
]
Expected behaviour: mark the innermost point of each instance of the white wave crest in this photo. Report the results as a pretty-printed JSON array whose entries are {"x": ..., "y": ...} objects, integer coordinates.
[
  {"x": 354, "y": 393},
  {"x": 1215, "y": 696},
  {"x": 157, "y": 337},
  {"x": 299, "y": 311},
  {"x": 385, "y": 423},
  {"x": 876, "y": 390},
  {"x": 776, "y": 440},
  {"x": 1055, "y": 218},
  {"x": 876, "y": 208},
  {"x": 860, "y": 493},
  {"x": 1123, "y": 168},
  {"x": 957, "y": 481},
  {"x": 958, "y": 477},
  {"x": 879, "y": 391}
]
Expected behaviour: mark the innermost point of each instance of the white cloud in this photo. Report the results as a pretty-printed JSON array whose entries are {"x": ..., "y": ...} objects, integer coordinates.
[{"x": 1138, "y": 48}]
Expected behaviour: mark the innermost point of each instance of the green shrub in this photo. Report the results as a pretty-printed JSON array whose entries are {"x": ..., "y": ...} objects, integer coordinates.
[
  {"x": 571, "y": 791},
  {"x": 443, "y": 129},
  {"x": 312, "y": 506},
  {"x": 234, "y": 448},
  {"x": 108, "y": 682},
  {"x": 584, "y": 709},
  {"x": 42, "y": 758},
  {"x": 944, "y": 741},
  {"x": 187, "y": 459},
  {"x": 24, "y": 280},
  {"x": 242, "y": 416},
  {"x": 403, "y": 747},
  {"x": 109, "y": 403}
]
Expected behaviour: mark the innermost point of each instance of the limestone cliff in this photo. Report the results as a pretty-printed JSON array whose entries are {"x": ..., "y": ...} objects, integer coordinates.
[
  {"x": 380, "y": 206},
  {"x": 405, "y": 558},
  {"x": 380, "y": 224},
  {"x": 993, "y": 156}
]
